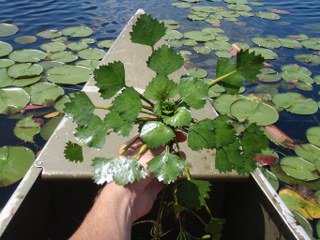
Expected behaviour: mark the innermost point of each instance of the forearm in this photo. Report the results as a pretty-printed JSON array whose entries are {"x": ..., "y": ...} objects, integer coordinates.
[{"x": 110, "y": 217}]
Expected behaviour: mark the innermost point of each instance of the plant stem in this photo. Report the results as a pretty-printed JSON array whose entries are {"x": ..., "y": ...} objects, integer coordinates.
[
  {"x": 147, "y": 108},
  {"x": 126, "y": 148},
  {"x": 144, "y": 119},
  {"x": 103, "y": 107},
  {"x": 146, "y": 100},
  {"x": 142, "y": 150},
  {"x": 213, "y": 82}
]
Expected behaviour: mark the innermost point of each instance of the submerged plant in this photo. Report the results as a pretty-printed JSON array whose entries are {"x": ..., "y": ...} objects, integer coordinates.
[{"x": 163, "y": 109}]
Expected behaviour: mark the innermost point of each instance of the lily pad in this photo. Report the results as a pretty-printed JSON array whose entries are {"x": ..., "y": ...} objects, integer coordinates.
[
  {"x": 295, "y": 103},
  {"x": 77, "y": 31},
  {"x": 4, "y": 63},
  {"x": 266, "y": 53},
  {"x": 7, "y": 29},
  {"x": 13, "y": 100},
  {"x": 223, "y": 54},
  {"x": 88, "y": 40},
  {"x": 254, "y": 112},
  {"x": 49, "y": 33},
  {"x": 268, "y": 75},
  {"x": 59, "y": 104},
  {"x": 219, "y": 45},
  {"x": 198, "y": 72},
  {"x": 309, "y": 152},
  {"x": 23, "y": 82},
  {"x": 308, "y": 58},
  {"x": 5, "y": 48},
  {"x": 268, "y": 15},
  {"x": 272, "y": 179},
  {"x": 223, "y": 103},
  {"x": 92, "y": 64},
  {"x": 105, "y": 43},
  {"x": 299, "y": 168},
  {"x": 49, "y": 127},
  {"x": 311, "y": 43},
  {"x": 24, "y": 70},
  {"x": 202, "y": 50},
  {"x": 92, "y": 54},
  {"x": 65, "y": 56},
  {"x": 27, "y": 55},
  {"x": 25, "y": 39},
  {"x": 290, "y": 76},
  {"x": 53, "y": 47},
  {"x": 181, "y": 4},
  {"x": 44, "y": 93},
  {"x": 26, "y": 129},
  {"x": 173, "y": 34},
  {"x": 296, "y": 68},
  {"x": 77, "y": 46},
  {"x": 267, "y": 42},
  {"x": 290, "y": 43},
  {"x": 15, "y": 162},
  {"x": 313, "y": 135},
  {"x": 199, "y": 36},
  {"x": 69, "y": 74}
]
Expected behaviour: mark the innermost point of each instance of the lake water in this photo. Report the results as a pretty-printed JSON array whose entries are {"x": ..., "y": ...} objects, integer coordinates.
[{"x": 107, "y": 18}]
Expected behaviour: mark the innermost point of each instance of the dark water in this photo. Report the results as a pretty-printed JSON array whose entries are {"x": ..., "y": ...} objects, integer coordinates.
[{"x": 108, "y": 18}]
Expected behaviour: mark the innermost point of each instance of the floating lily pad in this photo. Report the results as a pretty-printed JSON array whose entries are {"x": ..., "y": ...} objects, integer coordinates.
[
  {"x": 268, "y": 75},
  {"x": 198, "y": 72},
  {"x": 219, "y": 45},
  {"x": 5, "y": 48},
  {"x": 199, "y": 36},
  {"x": 105, "y": 43},
  {"x": 26, "y": 129},
  {"x": 236, "y": 1},
  {"x": 49, "y": 33},
  {"x": 173, "y": 34},
  {"x": 265, "y": 53},
  {"x": 27, "y": 55},
  {"x": 296, "y": 68},
  {"x": 304, "y": 223},
  {"x": 4, "y": 63},
  {"x": 223, "y": 54},
  {"x": 77, "y": 31},
  {"x": 53, "y": 47},
  {"x": 44, "y": 93},
  {"x": 290, "y": 43},
  {"x": 312, "y": 43},
  {"x": 174, "y": 43},
  {"x": 272, "y": 179},
  {"x": 313, "y": 135},
  {"x": 181, "y": 4},
  {"x": 268, "y": 15},
  {"x": 239, "y": 7},
  {"x": 14, "y": 163},
  {"x": 295, "y": 103},
  {"x": 49, "y": 127},
  {"x": 308, "y": 58},
  {"x": 59, "y": 104},
  {"x": 88, "y": 40},
  {"x": 13, "y": 100},
  {"x": 23, "y": 82},
  {"x": 309, "y": 152},
  {"x": 92, "y": 54},
  {"x": 267, "y": 42},
  {"x": 254, "y": 112},
  {"x": 189, "y": 42},
  {"x": 25, "y": 39},
  {"x": 299, "y": 168},
  {"x": 202, "y": 50},
  {"x": 303, "y": 86},
  {"x": 69, "y": 74},
  {"x": 50, "y": 64},
  {"x": 92, "y": 64},
  {"x": 77, "y": 46},
  {"x": 223, "y": 103},
  {"x": 65, "y": 56},
  {"x": 289, "y": 76},
  {"x": 7, "y": 29},
  {"x": 24, "y": 70}
]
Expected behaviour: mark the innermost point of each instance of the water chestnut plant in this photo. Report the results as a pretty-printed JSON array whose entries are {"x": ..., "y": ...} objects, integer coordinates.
[{"x": 163, "y": 109}]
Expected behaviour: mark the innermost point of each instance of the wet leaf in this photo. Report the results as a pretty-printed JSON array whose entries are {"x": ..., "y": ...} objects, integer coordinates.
[
  {"x": 44, "y": 93},
  {"x": 14, "y": 163},
  {"x": 308, "y": 208},
  {"x": 202, "y": 135},
  {"x": 167, "y": 167},
  {"x": 161, "y": 88},
  {"x": 114, "y": 121},
  {"x": 121, "y": 170},
  {"x": 156, "y": 134},
  {"x": 181, "y": 117}
]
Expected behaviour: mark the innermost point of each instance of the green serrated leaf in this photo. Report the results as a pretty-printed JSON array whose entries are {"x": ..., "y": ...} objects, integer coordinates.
[
  {"x": 92, "y": 135},
  {"x": 167, "y": 167},
  {"x": 113, "y": 120},
  {"x": 202, "y": 135},
  {"x": 128, "y": 104},
  {"x": 73, "y": 152},
  {"x": 121, "y": 170},
  {"x": 165, "y": 60},
  {"x": 181, "y": 117},
  {"x": 147, "y": 31},
  {"x": 193, "y": 193},
  {"x": 110, "y": 79},
  {"x": 224, "y": 132},
  {"x": 249, "y": 64},
  {"x": 156, "y": 134},
  {"x": 161, "y": 88},
  {"x": 234, "y": 82},
  {"x": 193, "y": 92},
  {"x": 215, "y": 227},
  {"x": 80, "y": 109}
]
